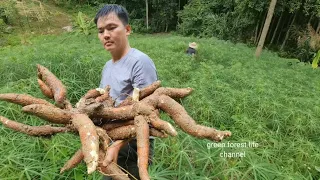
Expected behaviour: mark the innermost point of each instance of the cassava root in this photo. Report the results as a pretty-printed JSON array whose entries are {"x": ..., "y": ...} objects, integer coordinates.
[{"x": 101, "y": 126}]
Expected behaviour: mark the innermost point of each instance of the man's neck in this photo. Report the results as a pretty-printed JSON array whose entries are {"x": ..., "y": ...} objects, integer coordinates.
[{"x": 118, "y": 55}]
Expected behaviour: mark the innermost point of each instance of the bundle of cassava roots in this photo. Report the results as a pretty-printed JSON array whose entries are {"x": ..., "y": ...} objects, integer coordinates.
[{"x": 102, "y": 126}]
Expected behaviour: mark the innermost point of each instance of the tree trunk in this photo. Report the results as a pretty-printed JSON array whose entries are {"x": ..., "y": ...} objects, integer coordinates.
[
  {"x": 147, "y": 17},
  {"x": 288, "y": 32},
  {"x": 275, "y": 31},
  {"x": 261, "y": 28},
  {"x": 271, "y": 29},
  {"x": 166, "y": 27},
  {"x": 256, "y": 31},
  {"x": 310, "y": 19},
  {"x": 266, "y": 27},
  {"x": 281, "y": 27}
]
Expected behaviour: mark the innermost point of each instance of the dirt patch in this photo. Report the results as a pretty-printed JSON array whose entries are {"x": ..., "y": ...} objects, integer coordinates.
[{"x": 41, "y": 18}]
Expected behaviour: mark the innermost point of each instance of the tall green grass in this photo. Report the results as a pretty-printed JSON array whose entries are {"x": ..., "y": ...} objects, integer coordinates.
[{"x": 270, "y": 101}]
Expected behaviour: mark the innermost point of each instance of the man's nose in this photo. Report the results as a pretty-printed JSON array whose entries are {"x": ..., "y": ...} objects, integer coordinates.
[{"x": 106, "y": 34}]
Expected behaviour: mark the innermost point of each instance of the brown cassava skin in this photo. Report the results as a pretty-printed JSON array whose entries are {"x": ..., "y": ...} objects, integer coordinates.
[
  {"x": 156, "y": 133},
  {"x": 56, "y": 86},
  {"x": 73, "y": 161},
  {"x": 23, "y": 99},
  {"x": 51, "y": 114},
  {"x": 101, "y": 107},
  {"x": 117, "y": 123},
  {"x": 186, "y": 123},
  {"x": 149, "y": 89},
  {"x": 125, "y": 112},
  {"x": 127, "y": 102},
  {"x": 32, "y": 130},
  {"x": 174, "y": 92},
  {"x": 153, "y": 99},
  {"x": 92, "y": 93},
  {"x": 142, "y": 131},
  {"x": 106, "y": 97},
  {"x": 157, "y": 123},
  {"x": 90, "y": 109},
  {"x": 123, "y": 132},
  {"x": 89, "y": 140},
  {"x": 121, "y": 113},
  {"x": 129, "y": 131},
  {"x": 45, "y": 89},
  {"x": 111, "y": 169},
  {"x": 104, "y": 138}
]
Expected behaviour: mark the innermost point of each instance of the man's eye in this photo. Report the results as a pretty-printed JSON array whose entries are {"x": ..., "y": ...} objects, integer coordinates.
[
  {"x": 100, "y": 31},
  {"x": 111, "y": 28}
]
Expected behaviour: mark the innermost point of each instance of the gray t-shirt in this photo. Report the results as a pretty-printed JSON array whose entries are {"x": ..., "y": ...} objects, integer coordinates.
[{"x": 134, "y": 70}]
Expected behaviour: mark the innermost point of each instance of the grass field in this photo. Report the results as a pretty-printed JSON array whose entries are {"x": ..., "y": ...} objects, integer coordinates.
[{"x": 271, "y": 102}]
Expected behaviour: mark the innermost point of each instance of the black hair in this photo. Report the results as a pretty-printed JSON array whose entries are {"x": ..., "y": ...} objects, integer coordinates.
[{"x": 119, "y": 10}]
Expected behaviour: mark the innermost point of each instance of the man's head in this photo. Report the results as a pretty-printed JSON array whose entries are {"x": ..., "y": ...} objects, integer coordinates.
[
  {"x": 120, "y": 11},
  {"x": 113, "y": 28}
]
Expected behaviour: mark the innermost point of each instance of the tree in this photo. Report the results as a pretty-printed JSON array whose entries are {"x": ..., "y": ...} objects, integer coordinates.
[
  {"x": 266, "y": 27},
  {"x": 147, "y": 17}
]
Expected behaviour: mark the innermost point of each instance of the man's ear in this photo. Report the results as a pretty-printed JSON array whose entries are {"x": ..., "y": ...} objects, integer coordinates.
[{"x": 128, "y": 29}]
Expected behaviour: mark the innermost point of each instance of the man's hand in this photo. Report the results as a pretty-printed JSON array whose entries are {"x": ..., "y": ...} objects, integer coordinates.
[{"x": 113, "y": 152}]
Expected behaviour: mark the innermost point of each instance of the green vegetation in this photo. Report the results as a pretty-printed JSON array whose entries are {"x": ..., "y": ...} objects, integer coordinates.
[
  {"x": 271, "y": 101},
  {"x": 294, "y": 24}
]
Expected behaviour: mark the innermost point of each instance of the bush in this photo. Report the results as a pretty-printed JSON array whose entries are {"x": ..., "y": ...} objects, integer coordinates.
[
  {"x": 8, "y": 11},
  {"x": 227, "y": 21},
  {"x": 138, "y": 25}
]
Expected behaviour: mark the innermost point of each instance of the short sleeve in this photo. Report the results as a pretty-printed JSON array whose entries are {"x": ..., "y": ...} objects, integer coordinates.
[{"x": 144, "y": 73}]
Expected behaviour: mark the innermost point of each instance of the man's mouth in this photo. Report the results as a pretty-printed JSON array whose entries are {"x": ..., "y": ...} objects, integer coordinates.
[{"x": 108, "y": 43}]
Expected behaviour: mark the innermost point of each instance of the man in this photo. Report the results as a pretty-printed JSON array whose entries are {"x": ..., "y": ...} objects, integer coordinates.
[
  {"x": 129, "y": 68},
  {"x": 192, "y": 49}
]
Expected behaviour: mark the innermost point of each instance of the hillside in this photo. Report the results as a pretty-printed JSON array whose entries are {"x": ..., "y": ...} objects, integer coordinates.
[
  {"x": 272, "y": 102},
  {"x": 270, "y": 105}
]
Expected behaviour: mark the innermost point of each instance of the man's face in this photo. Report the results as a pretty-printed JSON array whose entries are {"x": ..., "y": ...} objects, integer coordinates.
[{"x": 112, "y": 33}]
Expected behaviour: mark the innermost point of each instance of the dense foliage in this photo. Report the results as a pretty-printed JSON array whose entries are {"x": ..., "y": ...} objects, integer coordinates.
[
  {"x": 238, "y": 21},
  {"x": 272, "y": 102}
]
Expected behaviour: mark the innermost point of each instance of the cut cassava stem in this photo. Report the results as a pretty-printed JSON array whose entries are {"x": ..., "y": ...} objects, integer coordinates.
[
  {"x": 105, "y": 96},
  {"x": 89, "y": 140},
  {"x": 142, "y": 93}
]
